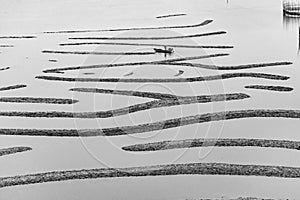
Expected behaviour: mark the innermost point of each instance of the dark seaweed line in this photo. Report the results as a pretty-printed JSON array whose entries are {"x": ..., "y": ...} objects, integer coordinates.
[
  {"x": 13, "y": 87},
  {"x": 98, "y": 53},
  {"x": 5, "y": 68},
  {"x": 160, "y": 125},
  {"x": 130, "y": 109},
  {"x": 171, "y": 15},
  {"x": 206, "y": 22},
  {"x": 239, "y": 198},
  {"x": 149, "y": 38},
  {"x": 218, "y": 142},
  {"x": 152, "y": 95},
  {"x": 17, "y": 37},
  {"x": 189, "y": 58},
  {"x": 13, "y": 150},
  {"x": 270, "y": 87},
  {"x": 155, "y": 170},
  {"x": 159, "y": 62},
  {"x": 6, "y": 46},
  {"x": 37, "y": 100},
  {"x": 168, "y": 80},
  {"x": 151, "y": 45},
  {"x": 233, "y": 67}
]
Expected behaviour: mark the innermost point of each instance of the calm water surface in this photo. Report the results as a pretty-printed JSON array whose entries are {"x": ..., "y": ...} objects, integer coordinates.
[{"x": 258, "y": 32}]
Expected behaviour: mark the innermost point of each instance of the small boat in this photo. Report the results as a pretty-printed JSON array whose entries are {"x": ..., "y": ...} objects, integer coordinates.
[{"x": 166, "y": 51}]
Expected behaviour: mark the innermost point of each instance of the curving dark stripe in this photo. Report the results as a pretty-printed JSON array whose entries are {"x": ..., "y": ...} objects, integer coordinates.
[
  {"x": 150, "y": 38},
  {"x": 167, "y": 80},
  {"x": 97, "y": 53},
  {"x": 4, "y": 68},
  {"x": 270, "y": 87},
  {"x": 167, "y": 102},
  {"x": 13, "y": 150},
  {"x": 37, "y": 100},
  {"x": 159, "y": 62},
  {"x": 17, "y": 37},
  {"x": 233, "y": 67},
  {"x": 171, "y": 15},
  {"x": 149, "y": 45},
  {"x": 128, "y": 74},
  {"x": 210, "y": 142},
  {"x": 88, "y": 73},
  {"x": 6, "y": 45},
  {"x": 206, "y": 22},
  {"x": 153, "y": 95},
  {"x": 12, "y": 87},
  {"x": 160, "y": 125},
  {"x": 223, "y": 169}
]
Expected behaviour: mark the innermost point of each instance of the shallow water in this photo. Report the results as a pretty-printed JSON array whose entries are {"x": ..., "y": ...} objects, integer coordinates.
[{"x": 258, "y": 32}]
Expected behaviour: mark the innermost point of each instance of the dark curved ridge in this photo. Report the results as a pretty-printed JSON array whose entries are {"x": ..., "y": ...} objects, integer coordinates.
[
  {"x": 129, "y": 74},
  {"x": 211, "y": 142},
  {"x": 150, "y": 38},
  {"x": 37, "y": 100},
  {"x": 270, "y": 87},
  {"x": 233, "y": 67},
  {"x": 176, "y": 62},
  {"x": 153, "y": 95},
  {"x": 4, "y": 68},
  {"x": 168, "y": 102},
  {"x": 206, "y": 22},
  {"x": 160, "y": 125},
  {"x": 239, "y": 198},
  {"x": 13, "y": 87},
  {"x": 242, "y": 198},
  {"x": 170, "y": 15},
  {"x": 6, "y": 45},
  {"x": 58, "y": 70},
  {"x": 88, "y": 73},
  {"x": 149, "y": 45},
  {"x": 167, "y": 80},
  {"x": 17, "y": 37},
  {"x": 98, "y": 53},
  {"x": 13, "y": 150},
  {"x": 155, "y": 170}
]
